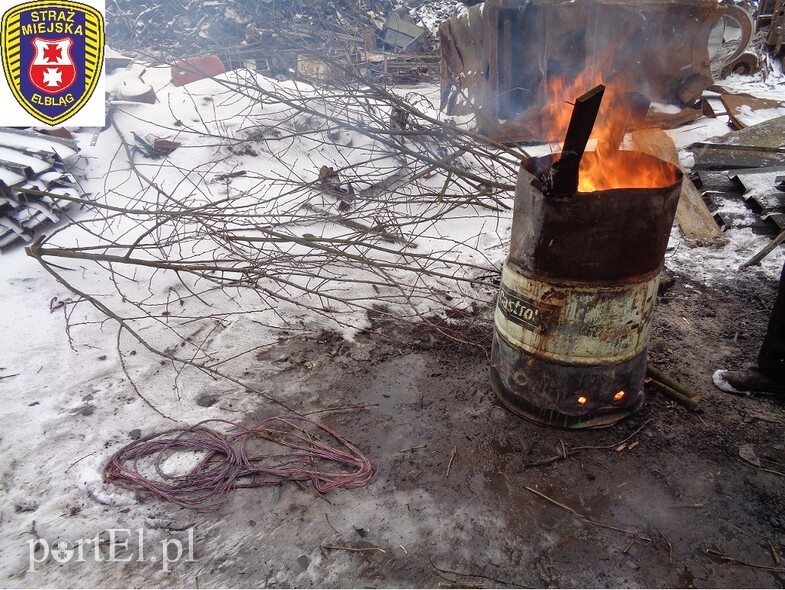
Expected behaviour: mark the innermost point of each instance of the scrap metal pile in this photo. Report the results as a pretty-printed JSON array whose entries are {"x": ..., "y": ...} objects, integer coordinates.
[
  {"x": 35, "y": 183},
  {"x": 741, "y": 175},
  {"x": 204, "y": 24},
  {"x": 276, "y": 37}
]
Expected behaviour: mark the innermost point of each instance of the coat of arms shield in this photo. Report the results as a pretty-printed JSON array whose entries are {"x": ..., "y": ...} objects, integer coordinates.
[{"x": 52, "y": 56}]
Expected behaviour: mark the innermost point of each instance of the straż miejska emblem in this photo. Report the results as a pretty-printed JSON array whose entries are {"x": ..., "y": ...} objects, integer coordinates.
[{"x": 52, "y": 56}]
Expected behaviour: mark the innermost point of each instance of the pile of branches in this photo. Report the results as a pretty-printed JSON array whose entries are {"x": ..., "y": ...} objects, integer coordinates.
[{"x": 359, "y": 200}]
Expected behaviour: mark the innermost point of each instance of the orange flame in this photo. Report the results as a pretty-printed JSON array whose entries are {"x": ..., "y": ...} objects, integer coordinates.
[{"x": 606, "y": 170}]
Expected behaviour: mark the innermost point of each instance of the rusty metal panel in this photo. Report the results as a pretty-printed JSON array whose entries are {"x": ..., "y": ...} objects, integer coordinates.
[
  {"x": 465, "y": 62},
  {"x": 500, "y": 59},
  {"x": 578, "y": 291},
  {"x": 615, "y": 236}
]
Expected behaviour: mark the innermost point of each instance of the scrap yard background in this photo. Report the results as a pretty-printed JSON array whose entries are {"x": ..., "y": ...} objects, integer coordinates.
[{"x": 308, "y": 233}]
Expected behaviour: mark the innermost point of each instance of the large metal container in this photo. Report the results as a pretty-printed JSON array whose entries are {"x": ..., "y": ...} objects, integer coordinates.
[
  {"x": 577, "y": 294},
  {"x": 500, "y": 58}
]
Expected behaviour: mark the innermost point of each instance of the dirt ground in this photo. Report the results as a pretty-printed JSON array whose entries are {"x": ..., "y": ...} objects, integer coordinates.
[{"x": 678, "y": 507}]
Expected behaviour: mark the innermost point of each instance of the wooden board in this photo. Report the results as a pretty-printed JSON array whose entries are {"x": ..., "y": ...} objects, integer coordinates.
[
  {"x": 694, "y": 219},
  {"x": 659, "y": 119}
]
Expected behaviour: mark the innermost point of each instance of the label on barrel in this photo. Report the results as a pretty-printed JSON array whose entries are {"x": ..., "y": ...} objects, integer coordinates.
[{"x": 524, "y": 311}]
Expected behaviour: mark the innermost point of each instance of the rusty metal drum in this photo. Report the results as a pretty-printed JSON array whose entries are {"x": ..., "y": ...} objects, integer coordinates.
[{"x": 577, "y": 294}]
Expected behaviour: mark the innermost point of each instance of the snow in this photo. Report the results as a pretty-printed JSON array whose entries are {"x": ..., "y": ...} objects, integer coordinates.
[
  {"x": 749, "y": 117},
  {"x": 669, "y": 109},
  {"x": 68, "y": 401}
]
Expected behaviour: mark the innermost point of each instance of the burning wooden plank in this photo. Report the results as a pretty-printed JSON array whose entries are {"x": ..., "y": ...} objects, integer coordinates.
[{"x": 563, "y": 175}]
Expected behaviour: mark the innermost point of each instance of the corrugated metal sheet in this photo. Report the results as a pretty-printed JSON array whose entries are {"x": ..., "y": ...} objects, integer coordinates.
[{"x": 401, "y": 33}]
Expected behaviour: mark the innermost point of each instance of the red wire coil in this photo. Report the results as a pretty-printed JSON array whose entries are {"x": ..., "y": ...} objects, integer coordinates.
[{"x": 227, "y": 463}]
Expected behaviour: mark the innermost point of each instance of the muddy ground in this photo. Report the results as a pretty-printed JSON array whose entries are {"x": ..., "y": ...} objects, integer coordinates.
[
  {"x": 679, "y": 488},
  {"x": 676, "y": 507}
]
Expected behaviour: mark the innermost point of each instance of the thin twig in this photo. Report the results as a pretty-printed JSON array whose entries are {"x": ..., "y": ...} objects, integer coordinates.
[
  {"x": 456, "y": 585},
  {"x": 774, "y": 555},
  {"x": 670, "y": 546},
  {"x": 336, "y": 409},
  {"x": 412, "y": 448},
  {"x": 327, "y": 518},
  {"x": 570, "y": 452},
  {"x": 386, "y": 236},
  {"x": 353, "y": 549},
  {"x": 77, "y": 461},
  {"x": 585, "y": 518},
  {"x": 463, "y": 575},
  {"x": 735, "y": 560},
  {"x": 132, "y": 382},
  {"x": 449, "y": 464}
]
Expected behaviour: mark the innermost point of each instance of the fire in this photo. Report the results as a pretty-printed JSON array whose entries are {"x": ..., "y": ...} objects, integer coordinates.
[
  {"x": 622, "y": 169},
  {"x": 604, "y": 168}
]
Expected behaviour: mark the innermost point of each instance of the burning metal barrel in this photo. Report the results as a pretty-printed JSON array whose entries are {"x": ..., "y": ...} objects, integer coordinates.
[
  {"x": 579, "y": 286},
  {"x": 577, "y": 295}
]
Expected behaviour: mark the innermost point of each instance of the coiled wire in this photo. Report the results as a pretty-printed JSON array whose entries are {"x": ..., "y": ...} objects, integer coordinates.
[{"x": 241, "y": 457}]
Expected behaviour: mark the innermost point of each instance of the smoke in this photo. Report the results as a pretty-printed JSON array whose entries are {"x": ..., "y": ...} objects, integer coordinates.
[{"x": 518, "y": 66}]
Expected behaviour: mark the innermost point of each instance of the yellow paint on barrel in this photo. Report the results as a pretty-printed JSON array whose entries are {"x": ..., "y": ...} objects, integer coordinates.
[{"x": 575, "y": 324}]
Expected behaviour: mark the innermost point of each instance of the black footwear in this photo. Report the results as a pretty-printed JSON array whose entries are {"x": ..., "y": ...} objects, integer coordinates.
[{"x": 749, "y": 382}]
